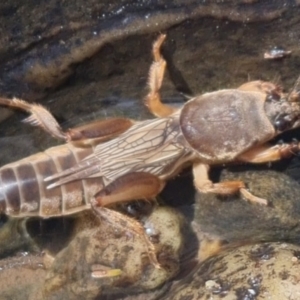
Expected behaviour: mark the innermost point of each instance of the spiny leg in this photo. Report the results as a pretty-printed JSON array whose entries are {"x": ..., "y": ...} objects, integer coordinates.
[
  {"x": 156, "y": 75},
  {"x": 128, "y": 187},
  {"x": 131, "y": 186},
  {"x": 91, "y": 133},
  {"x": 128, "y": 224},
  {"x": 205, "y": 185},
  {"x": 40, "y": 116}
]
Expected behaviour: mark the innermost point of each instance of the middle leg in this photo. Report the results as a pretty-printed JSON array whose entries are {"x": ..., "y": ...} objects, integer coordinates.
[{"x": 205, "y": 185}]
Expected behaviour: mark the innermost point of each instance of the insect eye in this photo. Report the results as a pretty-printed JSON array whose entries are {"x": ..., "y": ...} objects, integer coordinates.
[{"x": 283, "y": 122}]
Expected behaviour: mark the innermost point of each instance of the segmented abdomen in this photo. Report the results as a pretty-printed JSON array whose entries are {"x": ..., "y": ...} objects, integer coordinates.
[{"x": 24, "y": 193}]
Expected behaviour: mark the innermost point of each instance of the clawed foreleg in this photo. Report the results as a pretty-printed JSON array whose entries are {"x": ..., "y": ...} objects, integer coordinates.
[{"x": 266, "y": 153}]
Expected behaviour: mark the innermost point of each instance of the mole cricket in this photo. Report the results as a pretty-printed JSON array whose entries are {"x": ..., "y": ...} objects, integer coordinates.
[{"x": 119, "y": 160}]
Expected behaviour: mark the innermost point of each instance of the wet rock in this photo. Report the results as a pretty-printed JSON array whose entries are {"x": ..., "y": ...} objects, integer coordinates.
[
  {"x": 102, "y": 260},
  {"x": 14, "y": 236},
  {"x": 248, "y": 272},
  {"x": 40, "y": 44},
  {"x": 120, "y": 254},
  {"x": 20, "y": 275}
]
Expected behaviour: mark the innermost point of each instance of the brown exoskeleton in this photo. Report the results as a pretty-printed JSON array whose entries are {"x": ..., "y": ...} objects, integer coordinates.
[{"x": 117, "y": 160}]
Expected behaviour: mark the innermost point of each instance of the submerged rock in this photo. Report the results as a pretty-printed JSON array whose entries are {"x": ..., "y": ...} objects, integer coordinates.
[
  {"x": 261, "y": 271},
  {"x": 107, "y": 260}
]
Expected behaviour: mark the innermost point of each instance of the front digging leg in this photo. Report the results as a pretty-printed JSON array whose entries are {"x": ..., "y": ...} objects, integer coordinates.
[
  {"x": 205, "y": 185},
  {"x": 266, "y": 153}
]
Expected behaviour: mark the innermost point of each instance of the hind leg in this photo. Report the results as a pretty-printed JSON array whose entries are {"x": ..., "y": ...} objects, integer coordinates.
[
  {"x": 89, "y": 134},
  {"x": 156, "y": 75}
]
